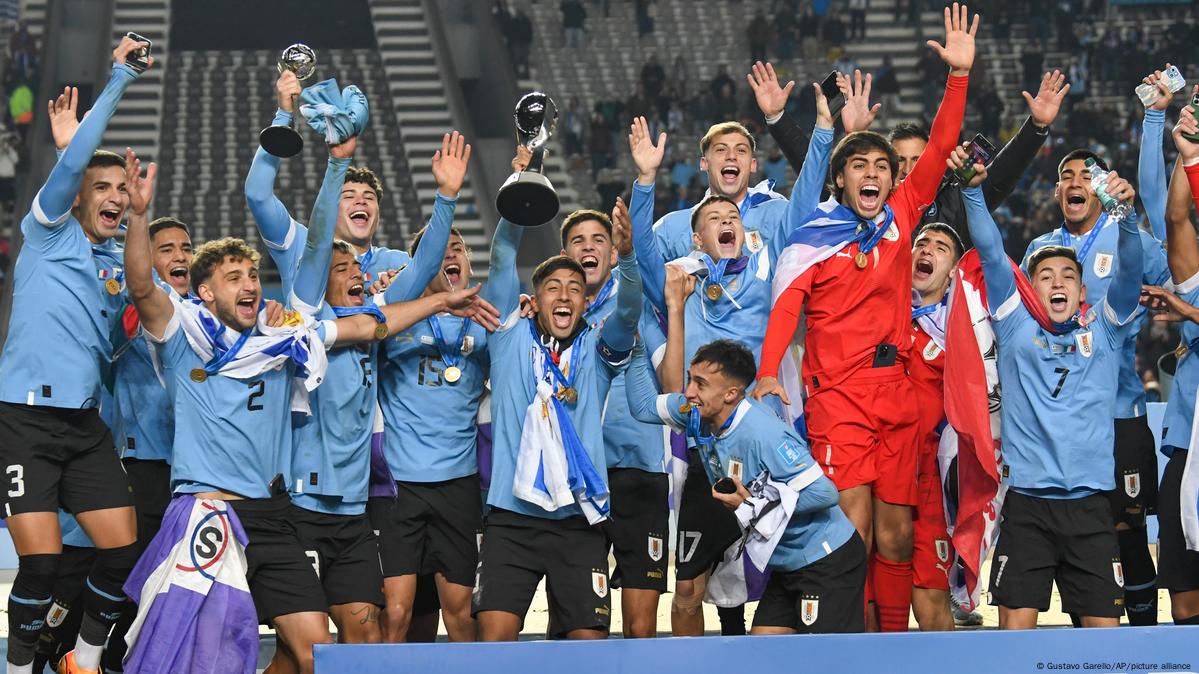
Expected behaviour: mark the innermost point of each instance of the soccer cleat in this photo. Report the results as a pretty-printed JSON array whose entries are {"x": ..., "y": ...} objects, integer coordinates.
[
  {"x": 964, "y": 618},
  {"x": 67, "y": 666}
]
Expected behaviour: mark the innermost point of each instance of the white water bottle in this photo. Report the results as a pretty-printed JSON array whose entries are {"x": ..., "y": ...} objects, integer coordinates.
[{"x": 1117, "y": 209}]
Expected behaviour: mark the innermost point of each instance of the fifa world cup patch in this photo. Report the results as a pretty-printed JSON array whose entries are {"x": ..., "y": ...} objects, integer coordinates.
[{"x": 789, "y": 453}]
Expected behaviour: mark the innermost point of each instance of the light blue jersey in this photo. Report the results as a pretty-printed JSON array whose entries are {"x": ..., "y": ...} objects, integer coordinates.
[
  {"x": 1098, "y": 270},
  {"x": 757, "y": 440},
  {"x": 513, "y": 382},
  {"x": 1180, "y": 408},
  {"x": 231, "y": 435},
  {"x": 1059, "y": 390},
  {"x": 429, "y": 421},
  {"x": 147, "y": 422},
  {"x": 58, "y": 345}
]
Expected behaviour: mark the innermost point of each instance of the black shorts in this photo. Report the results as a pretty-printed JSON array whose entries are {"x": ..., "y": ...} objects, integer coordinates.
[
  {"x": 1070, "y": 541},
  {"x": 572, "y": 556},
  {"x": 280, "y": 573},
  {"x": 1177, "y": 567},
  {"x": 344, "y": 554},
  {"x": 639, "y": 528},
  {"x": 56, "y": 457},
  {"x": 821, "y": 598},
  {"x": 431, "y": 527},
  {"x": 1135, "y": 495},
  {"x": 151, "y": 483},
  {"x": 706, "y": 528}
]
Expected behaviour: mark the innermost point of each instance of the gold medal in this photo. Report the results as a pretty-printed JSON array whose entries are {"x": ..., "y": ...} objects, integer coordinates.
[
  {"x": 199, "y": 376},
  {"x": 568, "y": 395},
  {"x": 685, "y": 408},
  {"x": 715, "y": 291},
  {"x": 452, "y": 374},
  {"x": 113, "y": 286},
  {"x": 1181, "y": 351},
  {"x": 381, "y": 331},
  {"x": 860, "y": 260}
]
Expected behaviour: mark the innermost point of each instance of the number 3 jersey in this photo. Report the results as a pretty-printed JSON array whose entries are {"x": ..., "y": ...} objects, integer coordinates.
[
  {"x": 429, "y": 421},
  {"x": 1059, "y": 398}
]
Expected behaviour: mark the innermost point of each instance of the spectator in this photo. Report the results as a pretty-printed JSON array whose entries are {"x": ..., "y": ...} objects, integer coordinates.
[
  {"x": 674, "y": 118},
  {"x": 682, "y": 172},
  {"x": 857, "y": 19},
  {"x": 574, "y": 19},
  {"x": 990, "y": 109},
  {"x": 8, "y": 170},
  {"x": 784, "y": 28},
  {"x": 834, "y": 31},
  {"x": 20, "y": 108},
  {"x": 726, "y": 104},
  {"x": 573, "y": 122},
  {"x": 680, "y": 75},
  {"x": 1077, "y": 77},
  {"x": 758, "y": 34},
  {"x": 646, "y": 11},
  {"x": 720, "y": 81},
  {"x": 652, "y": 75},
  {"x": 637, "y": 105},
  {"x": 599, "y": 144},
  {"x": 22, "y": 49},
  {"x": 517, "y": 29},
  {"x": 932, "y": 73},
  {"x": 1030, "y": 64},
  {"x": 886, "y": 86},
  {"x": 775, "y": 167},
  {"x": 809, "y": 34}
]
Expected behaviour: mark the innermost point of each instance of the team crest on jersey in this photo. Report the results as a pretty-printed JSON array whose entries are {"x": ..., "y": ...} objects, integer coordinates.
[
  {"x": 809, "y": 609},
  {"x": 942, "y": 549},
  {"x": 1118, "y": 572},
  {"x": 1103, "y": 264},
  {"x": 468, "y": 344},
  {"x": 753, "y": 241},
  {"x": 599, "y": 583},
  {"x": 1132, "y": 484},
  {"x": 655, "y": 548},
  {"x": 931, "y": 351},
  {"x": 736, "y": 469},
  {"x": 1085, "y": 342},
  {"x": 892, "y": 233}
]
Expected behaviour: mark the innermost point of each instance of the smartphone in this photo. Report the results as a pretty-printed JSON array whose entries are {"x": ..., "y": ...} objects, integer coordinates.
[
  {"x": 1174, "y": 82},
  {"x": 831, "y": 92},
  {"x": 981, "y": 152},
  {"x": 1193, "y": 137},
  {"x": 139, "y": 59},
  {"x": 725, "y": 485}
]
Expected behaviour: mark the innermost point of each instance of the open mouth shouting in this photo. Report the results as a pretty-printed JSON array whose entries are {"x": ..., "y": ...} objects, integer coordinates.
[
  {"x": 247, "y": 308},
  {"x": 453, "y": 274},
  {"x": 924, "y": 269},
  {"x": 562, "y": 317},
  {"x": 355, "y": 293},
  {"x": 360, "y": 218},
  {"x": 730, "y": 174},
  {"x": 1057, "y": 302},
  {"x": 1076, "y": 204},
  {"x": 869, "y": 198},
  {"x": 726, "y": 241},
  {"x": 110, "y": 217},
  {"x": 179, "y": 272}
]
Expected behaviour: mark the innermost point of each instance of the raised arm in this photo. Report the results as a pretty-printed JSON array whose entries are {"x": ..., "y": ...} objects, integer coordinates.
[
  {"x": 646, "y": 404},
  {"x": 54, "y": 200},
  {"x": 772, "y": 101},
  {"x": 449, "y": 170},
  {"x": 313, "y": 275},
  {"x": 154, "y": 307},
  {"x": 466, "y": 303},
  {"x": 673, "y": 368},
  {"x": 619, "y": 332},
  {"x": 1182, "y": 250},
  {"x": 805, "y": 196},
  {"x": 1015, "y": 157},
  {"x": 1151, "y": 169},
  {"x": 273, "y": 220},
  {"x": 647, "y": 157},
  {"x": 1124, "y": 292},
  {"x": 503, "y": 287},
  {"x": 997, "y": 268}
]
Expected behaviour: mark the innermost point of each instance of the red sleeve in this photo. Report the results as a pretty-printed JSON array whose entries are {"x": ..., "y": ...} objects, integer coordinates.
[
  {"x": 131, "y": 321},
  {"x": 784, "y": 318},
  {"x": 919, "y": 189},
  {"x": 1193, "y": 179}
]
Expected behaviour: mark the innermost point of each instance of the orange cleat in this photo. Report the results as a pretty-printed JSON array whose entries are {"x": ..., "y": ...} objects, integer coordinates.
[{"x": 67, "y": 666}]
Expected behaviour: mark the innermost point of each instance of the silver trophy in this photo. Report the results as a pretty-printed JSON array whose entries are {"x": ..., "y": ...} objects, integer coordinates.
[
  {"x": 282, "y": 140},
  {"x": 527, "y": 198}
]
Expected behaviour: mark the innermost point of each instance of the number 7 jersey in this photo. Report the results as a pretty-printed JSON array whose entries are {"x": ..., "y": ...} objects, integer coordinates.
[{"x": 1059, "y": 399}]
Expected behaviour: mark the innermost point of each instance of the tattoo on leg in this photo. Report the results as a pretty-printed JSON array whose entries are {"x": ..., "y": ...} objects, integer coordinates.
[{"x": 367, "y": 614}]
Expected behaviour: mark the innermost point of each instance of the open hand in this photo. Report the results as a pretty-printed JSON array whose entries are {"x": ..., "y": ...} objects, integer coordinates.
[
  {"x": 857, "y": 115},
  {"x": 467, "y": 304},
  {"x": 622, "y": 231},
  {"x": 141, "y": 190},
  {"x": 449, "y": 164},
  {"x": 646, "y": 156},
  {"x": 771, "y": 97},
  {"x": 958, "y": 52},
  {"x": 1044, "y": 108},
  {"x": 64, "y": 119}
]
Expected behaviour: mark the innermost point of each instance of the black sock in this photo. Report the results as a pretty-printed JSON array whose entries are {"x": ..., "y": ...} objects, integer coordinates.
[
  {"x": 27, "y": 605},
  {"x": 1140, "y": 578},
  {"x": 732, "y": 620},
  {"x": 103, "y": 598}
]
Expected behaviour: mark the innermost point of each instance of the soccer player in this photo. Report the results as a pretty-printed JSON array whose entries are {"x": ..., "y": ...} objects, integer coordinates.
[
  {"x": 59, "y": 452},
  {"x": 1058, "y": 366},
  {"x": 550, "y": 376},
  {"x": 818, "y": 568},
  {"x": 1178, "y": 567},
  {"x": 431, "y": 381},
  {"x": 934, "y": 256},
  {"x": 859, "y": 407},
  {"x": 1094, "y": 237},
  {"x": 1005, "y": 169}
]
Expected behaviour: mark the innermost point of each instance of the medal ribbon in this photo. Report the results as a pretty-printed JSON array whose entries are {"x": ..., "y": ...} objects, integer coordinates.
[
  {"x": 364, "y": 263},
  {"x": 703, "y": 442},
  {"x": 450, "y": 358},
  {"x": 1067, "y": 239},
  {"x": 927, "y": 309},
  {"x": 221, "y": 355},
  {"x": 601, "y": 296},
  {"x": 551, "y": 362},
  {"x": 373, "y": 310},
  {"x": 869, "y": 234}
]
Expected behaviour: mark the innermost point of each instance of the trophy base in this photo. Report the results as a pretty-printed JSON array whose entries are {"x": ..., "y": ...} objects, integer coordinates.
[
  {"x": 281, "y": 141},
  {"x": 527, "y": 199}
]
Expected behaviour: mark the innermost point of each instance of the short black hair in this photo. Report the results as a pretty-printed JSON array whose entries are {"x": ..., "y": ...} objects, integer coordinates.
[
  {"x": 104, "y": 159},
  {"x": 731, "y": 358},
  {"x": 168, "y": 222},
  {"x": 543, "y": 270},
  {"x": 708, "y": 201},
  {"x": 420, "y": 234},
  {"x": 858, "y": 142},
  {"x": 584, "y": 215},
  {"x": 959, "y": 248},
  {"x": 1083, "y": 154},
  {"x": 1046, "y": 252},
  {"x": 907, "y": 131}
]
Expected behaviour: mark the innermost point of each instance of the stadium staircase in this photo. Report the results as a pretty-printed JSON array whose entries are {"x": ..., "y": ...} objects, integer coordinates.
[
  {"x": 138, "y": 120},
  {"x": 420, "y": 111}
]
